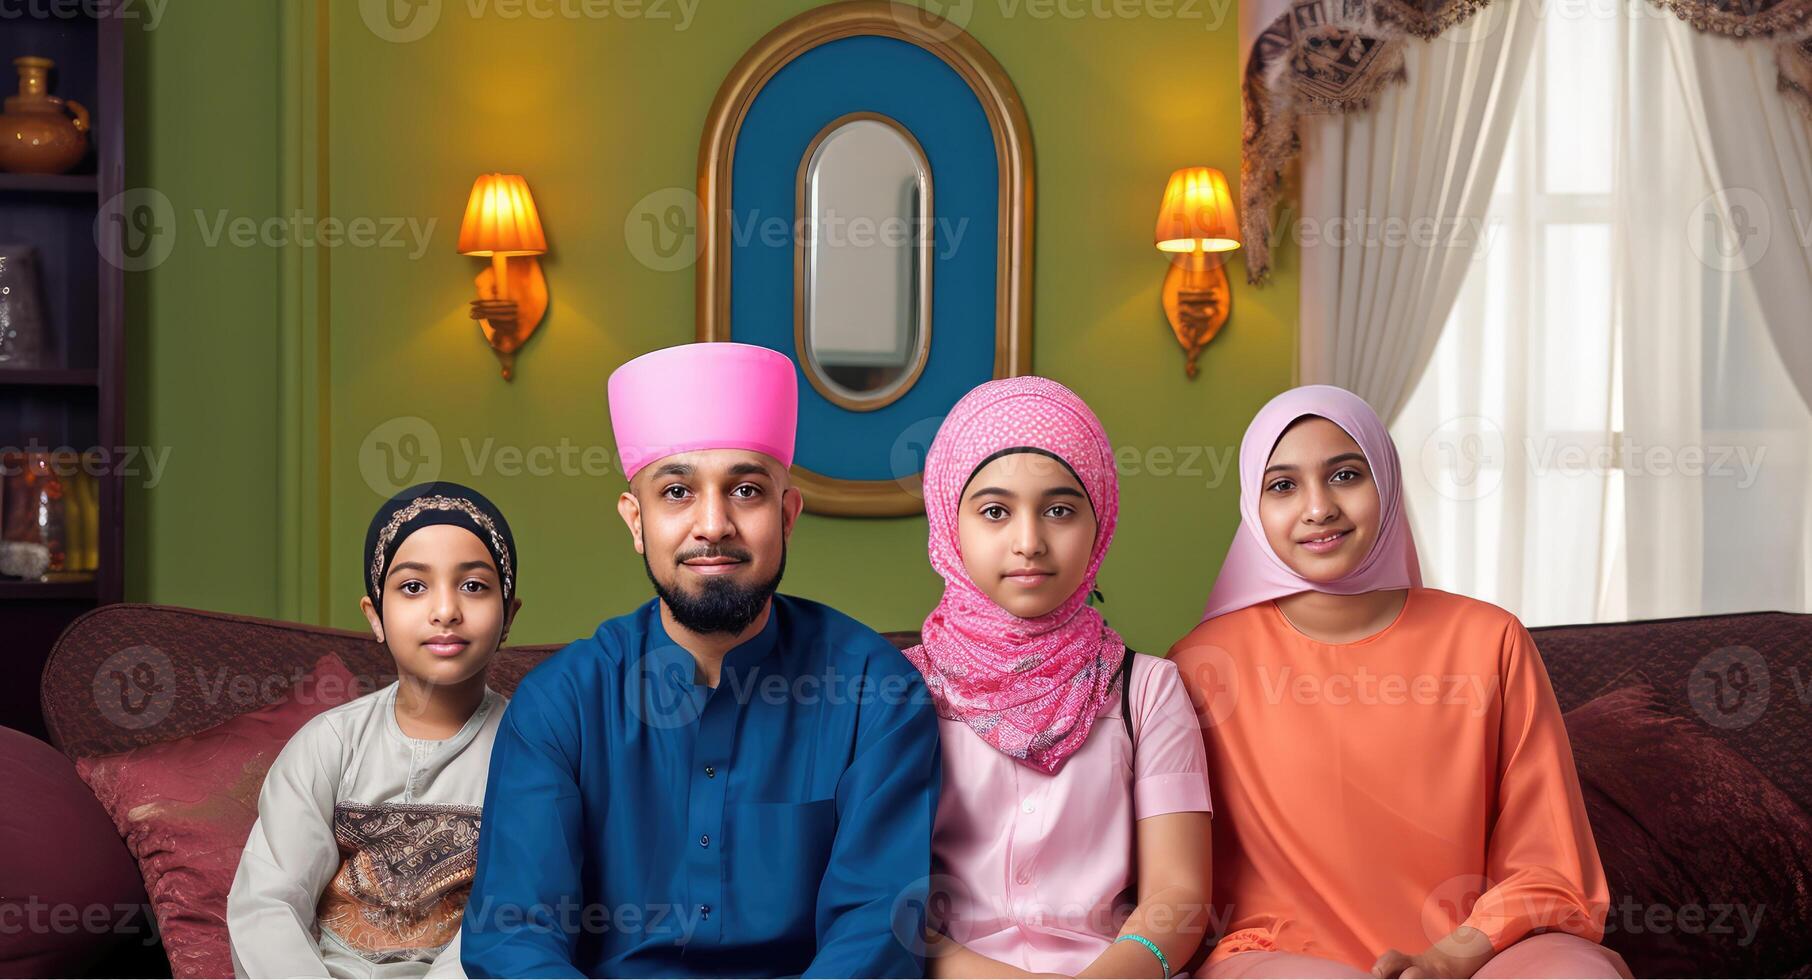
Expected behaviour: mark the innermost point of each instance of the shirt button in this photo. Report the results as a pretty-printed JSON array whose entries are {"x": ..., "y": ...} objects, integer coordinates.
[
  {"x": 710, "y": 772},
  {"x": 704, "y": 911},
  {"x": 704, "y": 840}
]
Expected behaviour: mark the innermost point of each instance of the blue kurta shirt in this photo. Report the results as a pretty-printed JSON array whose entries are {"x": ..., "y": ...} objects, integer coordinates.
[{"x": 639, "y": 824}]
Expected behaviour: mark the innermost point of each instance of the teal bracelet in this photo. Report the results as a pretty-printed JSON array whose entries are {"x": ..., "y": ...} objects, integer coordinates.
[{"x": 1148, "y": 944}]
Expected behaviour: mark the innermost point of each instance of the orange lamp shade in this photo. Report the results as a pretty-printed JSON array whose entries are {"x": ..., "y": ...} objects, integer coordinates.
[
  {"x": 1197, "y": 213},
  {"x": 501, "y": 218}
]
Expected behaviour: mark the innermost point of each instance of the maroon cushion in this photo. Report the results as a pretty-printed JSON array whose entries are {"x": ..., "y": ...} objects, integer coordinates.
[
  {"x": 186, "y": 807},
  {"x": 1709, "y": 863},
  {"x": 67, "y": 883}
]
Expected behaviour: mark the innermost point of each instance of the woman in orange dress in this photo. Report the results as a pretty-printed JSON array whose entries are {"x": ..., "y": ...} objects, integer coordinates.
[{"x": 1395, "y": 794}]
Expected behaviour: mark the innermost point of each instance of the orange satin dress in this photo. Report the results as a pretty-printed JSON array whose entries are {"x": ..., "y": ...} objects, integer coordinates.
[{"x": 1378, "y": 794}]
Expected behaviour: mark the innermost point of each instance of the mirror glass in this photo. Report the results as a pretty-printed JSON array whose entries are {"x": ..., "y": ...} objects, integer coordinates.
[{"x": 864, "y": 314}]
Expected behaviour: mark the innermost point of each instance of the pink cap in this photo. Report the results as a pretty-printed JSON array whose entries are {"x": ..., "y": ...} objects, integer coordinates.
[{"x": 704, "y": 396}]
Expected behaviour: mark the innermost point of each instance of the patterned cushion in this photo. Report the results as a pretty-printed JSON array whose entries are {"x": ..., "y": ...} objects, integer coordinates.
[
  {"x": 1709, "y": 863},
  {"x": 186, "y": 807}
]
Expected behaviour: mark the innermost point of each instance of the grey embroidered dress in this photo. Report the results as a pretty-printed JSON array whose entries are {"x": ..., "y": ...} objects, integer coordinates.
[{"x": 362, "y": 857}]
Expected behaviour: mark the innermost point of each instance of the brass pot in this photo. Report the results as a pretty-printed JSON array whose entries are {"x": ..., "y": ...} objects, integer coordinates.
[{"x": 37, "y": 135}]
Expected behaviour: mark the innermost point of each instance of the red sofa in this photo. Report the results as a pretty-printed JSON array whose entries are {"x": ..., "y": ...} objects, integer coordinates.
[{"x": 1693, "y": 739}]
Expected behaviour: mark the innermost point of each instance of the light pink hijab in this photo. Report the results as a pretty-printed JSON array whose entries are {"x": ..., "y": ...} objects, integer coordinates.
[
  {"x": 1252, "y": 572},
  {"x": 1031, "y": 688}
]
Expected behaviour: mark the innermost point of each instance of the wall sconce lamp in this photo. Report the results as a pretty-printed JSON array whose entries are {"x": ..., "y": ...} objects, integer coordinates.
[
  {"x": 1196, "y": 224},
  {"x": 501, "y": 224}
]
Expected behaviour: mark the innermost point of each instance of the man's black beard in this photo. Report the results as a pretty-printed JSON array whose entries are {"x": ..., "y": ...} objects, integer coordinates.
[{"x": 721, "y": 606}]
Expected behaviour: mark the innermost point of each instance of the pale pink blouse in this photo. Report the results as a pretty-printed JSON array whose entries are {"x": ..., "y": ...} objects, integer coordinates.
[{"x": 1037, "y": 871}]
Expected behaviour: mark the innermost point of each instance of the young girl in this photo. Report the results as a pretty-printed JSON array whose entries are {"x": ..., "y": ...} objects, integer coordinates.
[
  {"x": 1072, "y": 830},
  {"x": 1396, "y": 790},
  {"x": 367, "y": 834}
]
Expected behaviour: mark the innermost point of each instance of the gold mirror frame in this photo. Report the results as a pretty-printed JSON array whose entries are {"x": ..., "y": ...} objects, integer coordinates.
[{"x": 1012, "y": 150}]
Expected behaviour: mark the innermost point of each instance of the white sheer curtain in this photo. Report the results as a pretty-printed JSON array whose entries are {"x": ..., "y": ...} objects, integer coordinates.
[
  {"x": 1606, "y": 430},
  {"x": 1392, "y": 200},
  {"x": 1758, "y": 147}
]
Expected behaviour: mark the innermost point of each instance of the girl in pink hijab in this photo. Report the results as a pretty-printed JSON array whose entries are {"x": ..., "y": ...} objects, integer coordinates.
[
  {"x": 1396, "y": 792},
  {"x": 1073, "y": 824}
]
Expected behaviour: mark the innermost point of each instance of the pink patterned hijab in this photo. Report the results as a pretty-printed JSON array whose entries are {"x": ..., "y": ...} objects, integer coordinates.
[
  {"x": 1252, "y": 572},
  {"x": 1031, "y": 688}
]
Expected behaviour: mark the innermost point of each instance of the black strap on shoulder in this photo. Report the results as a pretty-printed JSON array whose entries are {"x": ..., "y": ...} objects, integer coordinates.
[{"x": 1126, "y": 695}]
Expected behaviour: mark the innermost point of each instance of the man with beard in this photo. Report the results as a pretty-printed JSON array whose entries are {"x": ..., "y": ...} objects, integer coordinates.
[{"x": 726, "y": 781}]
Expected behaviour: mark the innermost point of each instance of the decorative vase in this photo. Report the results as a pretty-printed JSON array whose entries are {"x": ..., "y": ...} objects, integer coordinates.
[
  {"x": 37, "y": 135},
  {"x": 21, "y": 308},
  {"x": 37, "y": 505}
]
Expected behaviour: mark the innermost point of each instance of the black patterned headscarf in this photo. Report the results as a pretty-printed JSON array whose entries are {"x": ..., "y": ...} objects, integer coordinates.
[{"x": 428, "y": 504}]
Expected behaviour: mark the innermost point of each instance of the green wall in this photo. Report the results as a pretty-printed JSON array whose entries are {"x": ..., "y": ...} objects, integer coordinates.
[{"x": 268, "y": 369}]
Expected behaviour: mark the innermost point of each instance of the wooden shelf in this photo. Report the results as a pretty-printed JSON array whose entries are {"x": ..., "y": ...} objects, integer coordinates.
[
  {"x": 81, "y": 588},
  {"x": 50, "y": 377},
  {"x": 51, "y": 183}
]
